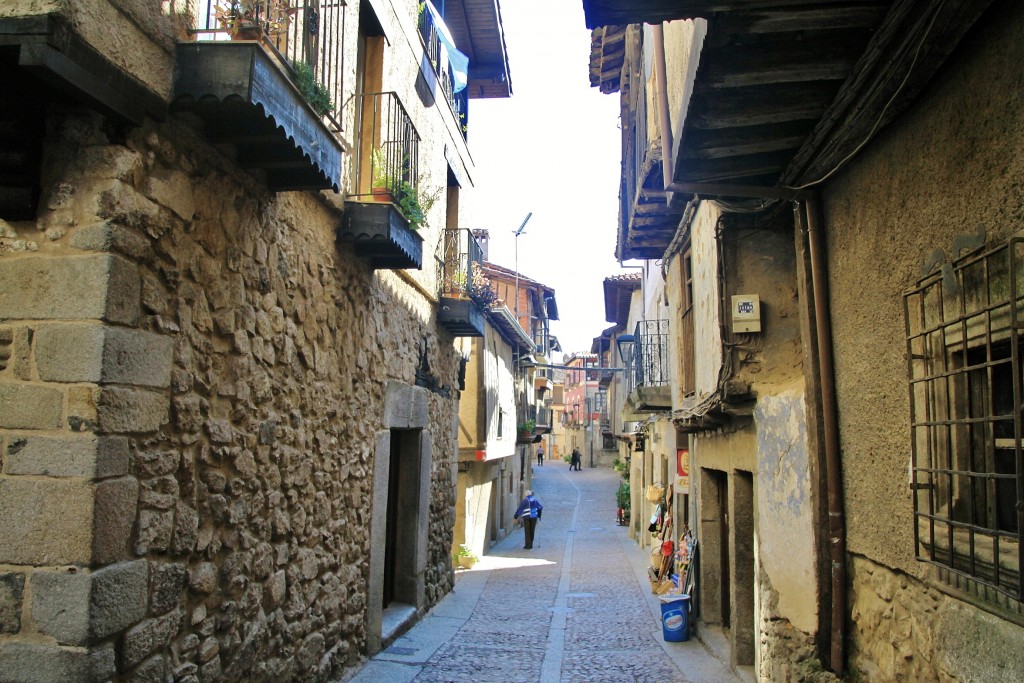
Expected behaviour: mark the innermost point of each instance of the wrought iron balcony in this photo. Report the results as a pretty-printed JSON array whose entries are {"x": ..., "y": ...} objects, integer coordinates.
[
  {"x": 648, "y": 372},
  {"x": 465, "y": 291},
  {"x": 386, "y": 206},
  {"x": 265, "y": 77}
]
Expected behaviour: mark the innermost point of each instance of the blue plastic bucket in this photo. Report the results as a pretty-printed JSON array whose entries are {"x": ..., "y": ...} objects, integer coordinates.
[{"x": 675, "y": 617}]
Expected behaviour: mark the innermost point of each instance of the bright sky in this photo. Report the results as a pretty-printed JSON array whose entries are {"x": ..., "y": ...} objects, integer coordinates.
[{"x": 553, "y": 148}]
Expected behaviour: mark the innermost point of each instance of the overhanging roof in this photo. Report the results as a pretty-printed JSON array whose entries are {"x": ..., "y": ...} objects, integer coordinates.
[
  {"x": 618, "y": 291},
  {"x": 787, "y": 90},
  {"x": 477, "y": 30}
]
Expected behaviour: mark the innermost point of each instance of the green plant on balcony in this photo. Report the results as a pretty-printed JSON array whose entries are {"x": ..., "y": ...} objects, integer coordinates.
[
  {"x": 318, "y": 96},
  {"x": 526, "y": 427},
  {"x": 253, "y": 19},
  {"x": 413, "y": 201},
  {"x": 480, "y": 289}
]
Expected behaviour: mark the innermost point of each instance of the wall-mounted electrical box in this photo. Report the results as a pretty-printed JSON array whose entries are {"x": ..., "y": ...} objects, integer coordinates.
[{"x": 746, "y": 313}]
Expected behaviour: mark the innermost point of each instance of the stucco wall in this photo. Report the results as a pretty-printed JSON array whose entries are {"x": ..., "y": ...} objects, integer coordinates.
[
  {"x": 951, "y": 165},
  {"x": 707, "y": 336},
  {"x": 784, "y": 508}
]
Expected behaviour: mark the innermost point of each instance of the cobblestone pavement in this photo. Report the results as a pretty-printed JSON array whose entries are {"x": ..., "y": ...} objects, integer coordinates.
[{"x": 575, "y": 608}]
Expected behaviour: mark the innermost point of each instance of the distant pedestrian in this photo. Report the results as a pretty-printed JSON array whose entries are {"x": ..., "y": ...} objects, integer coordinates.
[
  {"x": 530, "y": 510},
  {"x": 575, "y": 459},
  {"x": 540, "y": 456}
]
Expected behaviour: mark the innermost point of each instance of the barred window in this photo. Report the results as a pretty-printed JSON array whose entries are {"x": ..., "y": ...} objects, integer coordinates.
[{"x": 964, "y": 359}]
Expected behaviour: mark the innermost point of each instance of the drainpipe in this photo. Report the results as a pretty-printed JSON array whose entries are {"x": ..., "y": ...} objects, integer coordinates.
[{"x": 830, "y": 429}]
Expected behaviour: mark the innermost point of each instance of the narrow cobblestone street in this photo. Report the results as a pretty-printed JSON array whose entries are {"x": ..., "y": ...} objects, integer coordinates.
[{"x": 577, "y": 607}]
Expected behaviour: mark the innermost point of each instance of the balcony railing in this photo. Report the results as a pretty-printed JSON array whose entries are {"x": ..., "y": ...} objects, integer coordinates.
[
  {"x": 650, "y": 366},
  {"x": 458, "y": 101},
  {"x": 299, "y": 33},
  {"x": 465, "y": 291},
  {"x": 388, "y": 150},
  {"x": 461, "y": 274}
]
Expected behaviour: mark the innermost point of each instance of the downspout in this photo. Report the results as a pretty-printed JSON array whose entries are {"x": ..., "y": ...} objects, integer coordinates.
[{"x": 830, "y": 430}]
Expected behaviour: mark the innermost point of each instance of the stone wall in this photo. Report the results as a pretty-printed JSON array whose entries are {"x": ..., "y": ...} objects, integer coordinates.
[
  {"x": 905, "y": 630},
  {"x": 191, "y": 379}
]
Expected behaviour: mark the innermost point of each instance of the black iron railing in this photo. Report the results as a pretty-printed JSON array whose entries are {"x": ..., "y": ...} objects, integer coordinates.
[
  {"x": 307, "y": 37},
  {"x": 459, "y": 101},
  {"x": 387, "y": 155},
  {"x": 649, "y": 365},
  {"x": 461, "y": 273}
]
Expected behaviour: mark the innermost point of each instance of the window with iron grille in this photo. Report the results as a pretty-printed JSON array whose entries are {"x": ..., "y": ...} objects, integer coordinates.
[{"x": 964, "y": 352}]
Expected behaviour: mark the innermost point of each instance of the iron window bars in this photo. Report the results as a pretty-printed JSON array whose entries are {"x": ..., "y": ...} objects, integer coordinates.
[{"x": 964, "y": 363}]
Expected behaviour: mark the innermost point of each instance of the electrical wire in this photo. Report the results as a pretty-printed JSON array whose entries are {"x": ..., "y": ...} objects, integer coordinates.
[{"x": 881, "y": 115}]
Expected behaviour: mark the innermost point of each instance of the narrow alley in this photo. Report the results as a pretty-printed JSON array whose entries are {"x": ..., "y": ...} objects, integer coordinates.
[{"x": 577, "y": 607}]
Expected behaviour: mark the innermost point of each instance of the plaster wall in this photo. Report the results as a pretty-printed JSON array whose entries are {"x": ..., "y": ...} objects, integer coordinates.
[
  {"x": 490, "y": 390},
  {"x": 947, "y": 168},
  {"x": 707, "y": 335},
  {"x": 683, "y": 43},
  {"x": 786, "y": 538},
  {"x": 950, "y": 166}
]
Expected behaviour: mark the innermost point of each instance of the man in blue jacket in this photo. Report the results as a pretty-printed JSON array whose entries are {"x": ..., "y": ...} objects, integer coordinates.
[{"x": 530, "y": 510}]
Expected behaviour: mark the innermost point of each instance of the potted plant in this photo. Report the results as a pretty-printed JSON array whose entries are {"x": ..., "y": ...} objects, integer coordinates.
[
  {"x": 524, "y": 431},
  {"x": 253, "y": 19},
  {"x": 412, "y": 201},
  {"x": 465, "y": 557}
]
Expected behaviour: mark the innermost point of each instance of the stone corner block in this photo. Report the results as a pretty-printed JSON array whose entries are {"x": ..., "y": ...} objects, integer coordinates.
[
  {"x": 32, "y": 663},
  {"x": 117, "y": 502},
  {"x": 100, "y": 286},
  {"x": 71, "y": 352},
  {"x": 128, "y": 410},
  {"x": 137, "y": 357},
  {"x": 77, "y": 608},
  {"x": 46, "y": 522},
  {"x": 30, "y": 406},
  {"x": 87, "y": 456}
]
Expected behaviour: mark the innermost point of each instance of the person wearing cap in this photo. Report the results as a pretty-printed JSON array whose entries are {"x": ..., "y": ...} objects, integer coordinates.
[{"x": 530, "y": 510}]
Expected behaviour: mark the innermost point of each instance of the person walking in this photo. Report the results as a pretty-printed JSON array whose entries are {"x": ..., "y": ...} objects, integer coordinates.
[
  {"x": 540, "y": 456},
  {"x": 530, "y": 510},
  {"x": 575, "y": 459}
]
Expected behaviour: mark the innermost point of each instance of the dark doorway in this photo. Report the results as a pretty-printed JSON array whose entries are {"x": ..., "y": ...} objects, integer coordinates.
[
  {"x": 722, "y": 486},
  {"x": 401, "y": 524}
]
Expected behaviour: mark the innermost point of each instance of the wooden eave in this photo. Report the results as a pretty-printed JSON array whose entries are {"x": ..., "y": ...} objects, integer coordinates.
[
  {"x": 478, "y": 32},
  {"x": 788, "y": 90},
  {"x": 618, "y": 292},
  {"x": 248, "y": 104},
  {"x": 607, "y": 55}
]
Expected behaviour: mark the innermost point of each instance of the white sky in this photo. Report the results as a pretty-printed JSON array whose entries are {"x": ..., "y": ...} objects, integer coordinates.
[{"x": 553, "y": 148}]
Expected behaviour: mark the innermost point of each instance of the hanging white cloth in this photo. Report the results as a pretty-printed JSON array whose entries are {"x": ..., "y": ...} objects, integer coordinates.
[{"x": 458, "y": 61}]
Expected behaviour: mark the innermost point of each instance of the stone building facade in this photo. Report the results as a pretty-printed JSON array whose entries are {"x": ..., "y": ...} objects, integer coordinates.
[
  {"x": 863, "y": 516},
  {"x": 227, "y": 441}
]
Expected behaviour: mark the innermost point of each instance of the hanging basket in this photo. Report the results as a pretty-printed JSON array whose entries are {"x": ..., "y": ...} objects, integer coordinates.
[{"x": 655, "y": 493}]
